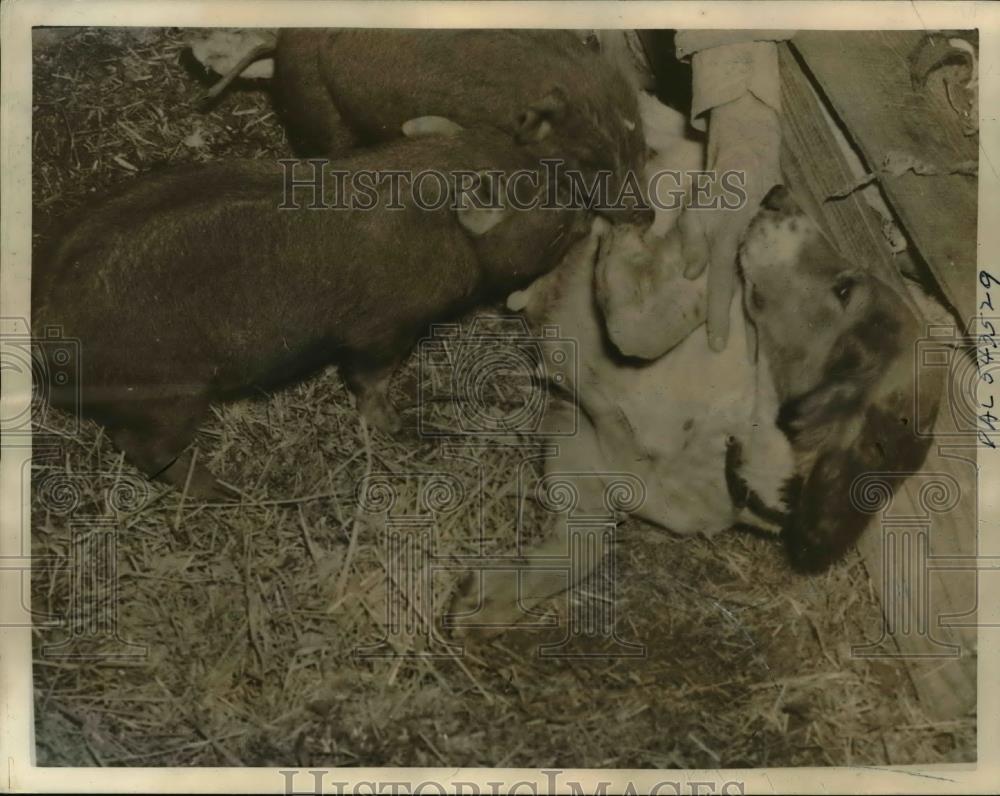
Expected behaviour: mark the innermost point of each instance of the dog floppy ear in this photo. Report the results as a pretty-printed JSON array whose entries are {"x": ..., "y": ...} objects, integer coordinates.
[
  {"x": 848, "y": 375},
  {"x": 850, "y": 426}
]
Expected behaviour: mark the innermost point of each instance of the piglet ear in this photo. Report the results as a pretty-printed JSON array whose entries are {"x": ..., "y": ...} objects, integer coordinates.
[
  {"x": 519, "y": 299},
  {"x": 426, "y": 126},
  {"x": 478, "y": 221},
  {"x": 478, "y": 214},
  {"x": 535, "y": 122}
]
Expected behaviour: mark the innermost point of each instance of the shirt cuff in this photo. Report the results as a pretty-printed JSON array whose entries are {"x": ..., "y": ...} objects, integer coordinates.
[
  {"x": 727, "y": 72},
  {"x": 688, "y": 42}
]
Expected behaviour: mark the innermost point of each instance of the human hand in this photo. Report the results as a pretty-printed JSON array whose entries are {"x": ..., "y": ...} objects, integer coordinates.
[{"x": 744, "y": 136}]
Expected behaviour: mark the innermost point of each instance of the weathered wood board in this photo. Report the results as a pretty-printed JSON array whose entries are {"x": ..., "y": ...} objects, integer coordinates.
[
  {"x": 865, "y": 76},
  {"x": 909, "y": 537}
]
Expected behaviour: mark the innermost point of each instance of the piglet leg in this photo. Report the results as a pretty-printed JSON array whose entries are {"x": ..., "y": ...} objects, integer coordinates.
[
  {"x": 370, "y": 385},
  {"x": 155, "y": 442}
]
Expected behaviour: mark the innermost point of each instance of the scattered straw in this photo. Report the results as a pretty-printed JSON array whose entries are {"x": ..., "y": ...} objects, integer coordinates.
[{"x": 245, "y": 666}]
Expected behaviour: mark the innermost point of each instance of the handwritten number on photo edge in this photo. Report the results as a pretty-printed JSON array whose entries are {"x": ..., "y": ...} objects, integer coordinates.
[{"x": 987, "y": 280}]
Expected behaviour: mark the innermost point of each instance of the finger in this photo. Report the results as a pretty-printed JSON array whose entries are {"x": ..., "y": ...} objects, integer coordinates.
[
  {"x": 694, "y": 245},
  {"x": 751, "y": 332},
  {"x": 721, "y": 279}
]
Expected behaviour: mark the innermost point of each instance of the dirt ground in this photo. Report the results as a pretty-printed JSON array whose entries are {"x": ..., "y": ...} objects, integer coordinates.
[{"x": 237, "y": 626}]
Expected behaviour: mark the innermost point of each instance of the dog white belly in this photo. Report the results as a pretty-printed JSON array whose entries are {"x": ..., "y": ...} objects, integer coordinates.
[{"x": 668, "y": 423}]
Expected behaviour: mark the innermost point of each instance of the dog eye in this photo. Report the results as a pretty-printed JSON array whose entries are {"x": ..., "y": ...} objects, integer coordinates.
[{"x": 842, "y": 290}]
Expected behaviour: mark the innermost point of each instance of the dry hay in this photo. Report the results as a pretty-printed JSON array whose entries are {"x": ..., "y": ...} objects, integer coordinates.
[{"x": 250, "y": 614}]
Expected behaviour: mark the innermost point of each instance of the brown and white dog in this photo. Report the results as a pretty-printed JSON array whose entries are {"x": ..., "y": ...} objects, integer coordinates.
[{"x": 769, "y": 433}]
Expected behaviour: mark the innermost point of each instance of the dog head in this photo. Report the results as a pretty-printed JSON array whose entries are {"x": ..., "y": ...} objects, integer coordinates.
[{"x": 839, "y": 343}]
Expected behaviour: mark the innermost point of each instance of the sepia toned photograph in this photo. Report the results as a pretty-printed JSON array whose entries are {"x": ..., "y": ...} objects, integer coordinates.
[{"x": 517, "y": 398}]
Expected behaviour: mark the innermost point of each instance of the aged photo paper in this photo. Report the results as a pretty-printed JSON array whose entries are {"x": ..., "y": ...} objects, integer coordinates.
[{"x": 405, "y": 397}]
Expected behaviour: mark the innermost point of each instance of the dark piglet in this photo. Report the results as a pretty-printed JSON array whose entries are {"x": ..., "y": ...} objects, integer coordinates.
[
  {"x": 307, "y": 110},
  {"x": 548, "y": 90},
  {"x": 183, "y": 296}
]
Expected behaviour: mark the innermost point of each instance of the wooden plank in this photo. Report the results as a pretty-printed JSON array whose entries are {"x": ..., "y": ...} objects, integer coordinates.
[
  {"x": 865, "y": 77},
  {"x": 941, "y": 657},
  {"x": 813, "y": 161},
  {"x": 941, "y": 660}
]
